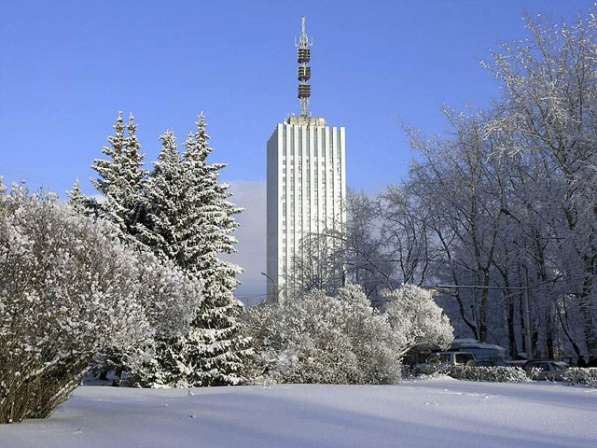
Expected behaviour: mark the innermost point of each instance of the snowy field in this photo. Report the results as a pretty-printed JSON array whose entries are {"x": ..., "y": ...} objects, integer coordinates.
[{"x": 431, "y": 413}]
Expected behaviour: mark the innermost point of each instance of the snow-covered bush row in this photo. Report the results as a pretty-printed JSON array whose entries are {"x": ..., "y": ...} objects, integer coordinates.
[
  {"x": 341, "y": 339},
  {"x": 501, "y": 374},
  {"x": 426, "y": 369},
  {"x": 68, "y": 290},
  {"x": 573, "y": 375},
  {"x": 498, "y": 374}
]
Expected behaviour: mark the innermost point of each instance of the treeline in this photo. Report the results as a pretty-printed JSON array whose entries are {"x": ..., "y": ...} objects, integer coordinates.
[{"x": 500, "y": 217}]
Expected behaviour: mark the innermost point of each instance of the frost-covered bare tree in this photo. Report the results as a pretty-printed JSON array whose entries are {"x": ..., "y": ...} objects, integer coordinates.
[
  {"x": 319, "y": 265},
  {"x": 498, "y": 234},
  {"x": 329, "y": 260},
  {"x": 405, "y": 235},
  {"x": 503, "y": 212},
  {"x": 550, "y": 113},
  {"x": 69, "y": 290},
  {"x": 367, "y": 262},
  {"x": 462, "y": 189}
]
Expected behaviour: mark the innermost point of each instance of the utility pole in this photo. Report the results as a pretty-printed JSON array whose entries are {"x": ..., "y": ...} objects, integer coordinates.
[
  {"x": 526, "y": 312},
  {"x": 274, "y": 297}
]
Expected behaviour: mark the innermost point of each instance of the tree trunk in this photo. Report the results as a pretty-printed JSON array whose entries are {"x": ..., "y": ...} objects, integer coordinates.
[
  {"x": 511, "y": 332},
  {"x": 483, "y": 308}
]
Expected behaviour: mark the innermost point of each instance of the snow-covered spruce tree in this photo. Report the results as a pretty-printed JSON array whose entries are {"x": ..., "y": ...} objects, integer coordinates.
[
  {"x": 79, "y": 202},
  {"x": 216, "y": 347},
  {"x": 162, "y": 233},
  {"x": 164, "y": 190},
  {"x": 68, "y": 290},
  {"x": 76, "y": 198},
  {"x": 190, "y": 221},
  {"x": 120, "y": 178},
  {"x": 120, "y": 183}
]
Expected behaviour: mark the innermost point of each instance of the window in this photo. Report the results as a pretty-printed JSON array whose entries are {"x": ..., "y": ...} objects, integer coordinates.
[{"x": 464, "y": 358}]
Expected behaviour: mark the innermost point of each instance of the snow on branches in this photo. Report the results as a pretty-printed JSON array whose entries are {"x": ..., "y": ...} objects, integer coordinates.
[
  {"x": 120, "y": 179},
  {"x": 181, "y": 213},
  {"x": 342, "y": 339},
  {"x": 68, "y": 291}
]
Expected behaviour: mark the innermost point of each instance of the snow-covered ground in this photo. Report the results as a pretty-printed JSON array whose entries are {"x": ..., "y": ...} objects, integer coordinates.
[{"x": 431, "y": 413}]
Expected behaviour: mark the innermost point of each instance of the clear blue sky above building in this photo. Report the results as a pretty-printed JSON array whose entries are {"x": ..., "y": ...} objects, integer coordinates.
[{"x": 67, "y": 67}]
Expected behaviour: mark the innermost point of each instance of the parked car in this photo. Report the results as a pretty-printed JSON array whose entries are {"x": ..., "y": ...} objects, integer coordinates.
[
  {"x": 452, "y": 359},
  {"x": 485, "y": 354},
  {"x": 546, "y": 365}
]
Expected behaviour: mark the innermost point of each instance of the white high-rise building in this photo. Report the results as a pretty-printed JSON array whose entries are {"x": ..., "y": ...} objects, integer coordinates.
[{"x": 306, "y": 183}]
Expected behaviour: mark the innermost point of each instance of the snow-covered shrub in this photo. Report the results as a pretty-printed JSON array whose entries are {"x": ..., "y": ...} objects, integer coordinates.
[
  {"x": 536, "y": 374},
  {"x": 498, "y": 374},
  {"x": 343, "y": 339},
  {"x": 68, "y": 290},
  {"x": 416, "y": 318},
  {"x": 429, "y": 369},
  {"x": 572, "y": 375},
  {"x": 578, "y": 375},
  {"x": 321, "y": 339},
  {"x": 374, "y": 342},
  {"x": 64, "y": 291},
  {"x": 169, "y": 298}
]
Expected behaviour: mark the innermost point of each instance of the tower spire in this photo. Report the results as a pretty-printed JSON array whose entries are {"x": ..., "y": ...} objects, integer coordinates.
[{"x": 304, "y": 69}]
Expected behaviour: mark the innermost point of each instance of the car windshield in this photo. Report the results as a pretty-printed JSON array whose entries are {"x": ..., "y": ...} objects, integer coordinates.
[
  {"x": 438, "y": 358},
  {"x": 464, "y": 357}
]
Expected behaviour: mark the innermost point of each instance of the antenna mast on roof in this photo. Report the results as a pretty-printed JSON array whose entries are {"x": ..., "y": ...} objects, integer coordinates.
[{"x": 304, "y": 69}]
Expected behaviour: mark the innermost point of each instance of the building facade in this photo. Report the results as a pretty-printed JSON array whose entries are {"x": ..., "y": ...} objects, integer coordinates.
[
  {"x": 306, "y": 193},
  {"x": 306, "y": 184}
]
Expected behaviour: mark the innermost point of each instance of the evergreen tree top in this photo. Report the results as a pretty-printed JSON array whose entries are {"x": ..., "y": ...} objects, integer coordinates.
[
  {"x": 75, "y": 190},
  {"x": 133, "y": 147},
  {"x": 168, "y": 151},
  {"x": 76, "y": 199},
  {"x": 131, "y": 125},
  {"x": 197, "y": 143},
  {"x": 123, "y": 167},
  {"x": 116, "y": 141}
]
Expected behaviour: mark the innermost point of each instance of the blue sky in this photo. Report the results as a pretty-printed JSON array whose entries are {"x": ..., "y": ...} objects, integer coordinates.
[{"x": 67, "y": 67}]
